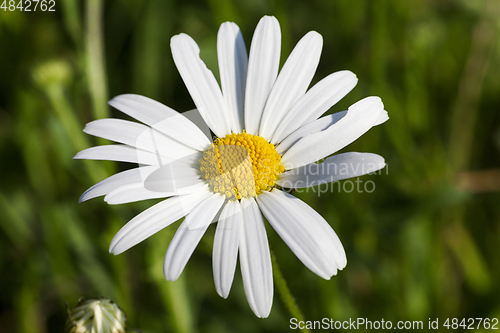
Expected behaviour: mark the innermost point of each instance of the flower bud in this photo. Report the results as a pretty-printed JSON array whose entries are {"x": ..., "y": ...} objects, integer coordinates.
[{"x": 96, "y": 316}]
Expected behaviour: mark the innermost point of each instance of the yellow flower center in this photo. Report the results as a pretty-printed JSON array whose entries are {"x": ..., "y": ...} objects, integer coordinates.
[{"x": 241, "y": 165}]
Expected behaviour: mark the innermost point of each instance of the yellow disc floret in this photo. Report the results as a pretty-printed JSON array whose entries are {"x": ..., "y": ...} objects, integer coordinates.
[{"x": 241, "y": 165}]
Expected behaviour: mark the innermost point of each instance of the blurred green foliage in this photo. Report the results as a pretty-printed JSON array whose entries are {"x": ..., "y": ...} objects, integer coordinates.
[{"x": 423, "y": 245}]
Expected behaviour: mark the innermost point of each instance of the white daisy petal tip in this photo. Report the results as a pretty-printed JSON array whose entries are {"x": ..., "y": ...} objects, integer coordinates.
[
  {"x": 360, "y": 117},
  {"x": 155, "y": 219},
  {"x": 263, "y": 67},
  {"x": 181, "y": 38},
  {"x": 233, "y": 64},
  {"x": 83, "y": 198},
  {"x": 113, "y": 251},
  {"x": 115, "y": 248},
  {"x": 269, "y": 20},
  {"x": 224, "y": 293},
  {"x": 382, "y": 119},
  {"x": 314, "y": 242},
  {"x": 291, "y": 83},
  {"x": 201, "y": 84},
  {"x": 225, "y": 249},
  {"x": 349, "y": 77},
  {"x": 170, "y": 276},
  {"x": 316, "y": 101},
  {"x": 189, "y": 234},
  {"x": 372, "y": 102},
  {"x": 255, "y": 260},
  {"x": 78, "y": 156},
  {"x": 122, "y": 98},
  {"x": 113, "y": 101},
  {"x": 315, "y": 38}
]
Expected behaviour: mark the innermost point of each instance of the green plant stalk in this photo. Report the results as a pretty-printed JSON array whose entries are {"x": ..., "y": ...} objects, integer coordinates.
[
  {"x": 286, "y": 295},
  {"x": 176, "y": 299},
  {"x": 467, "y": 105},
  {"x": 149, "y": 63},
  {"x": 65, "y": 113},
  {"x": 72, "y": 20},
  {"x": 174, "y": 295},
  {"x": 28, "y": 307},
  {"x": 95, "y": 60},
  {"x": 73, "y": 129}
]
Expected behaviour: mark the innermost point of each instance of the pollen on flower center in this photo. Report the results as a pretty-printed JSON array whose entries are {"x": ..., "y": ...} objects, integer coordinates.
[{"x": 241, "y": 165}]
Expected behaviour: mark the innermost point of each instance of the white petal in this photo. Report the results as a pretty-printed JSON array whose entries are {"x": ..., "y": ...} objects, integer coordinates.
[
  {"x": 292, "y": 82},
  {"x": 225, "y": 251},
  {"x": 172, "y": 177},
  {"x": 136, "y": 175},
  {"x": 121, "y": 153},
  {"x": 255, "y": 260},
  {"x": 200, "y": 83},
  {"x": 321, "y": 97},
  {"x": 263, "y": 65},
  {"x": 155, "y": 219},
  {"x": 382, "y": 119},
  {"x": 132, "y": 193},
  {"x": 306, "y": 232},
  {"x": 137, "y": 192},
  {"x": 313, "y": 127},
  {"x": 161, "y": 118},
  {"x": 189, "y": 234},
  {"x": 334, "y": 168},
  {"x": 139, "y": 136},
  {"x": 360, "y": 117},
  {"x": 233, "y": 63},
  {"x": 118, "y": 130}
]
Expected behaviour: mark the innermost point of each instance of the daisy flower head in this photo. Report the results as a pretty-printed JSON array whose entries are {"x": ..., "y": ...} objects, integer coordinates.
[{"x": 264, "y": 132}]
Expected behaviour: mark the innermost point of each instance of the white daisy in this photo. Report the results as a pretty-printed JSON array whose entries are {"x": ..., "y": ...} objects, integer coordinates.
[{"x": 269, "y": 135}]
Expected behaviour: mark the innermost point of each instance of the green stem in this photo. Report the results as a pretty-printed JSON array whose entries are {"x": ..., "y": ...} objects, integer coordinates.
[
  {"x": 176, "y": 298},
  {"x": 73, "y": 129},
  {"x": 72, "y": 20},
  {"x": 95, "y": 63},
  {"x": 174, "y": 295},
  {"x": 466, "y": 110},
  {"x": 284, "y": 291},
  {"x": 67, "y": 116}
]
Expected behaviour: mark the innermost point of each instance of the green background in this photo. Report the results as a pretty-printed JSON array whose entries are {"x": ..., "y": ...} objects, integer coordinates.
[{"x": 424, "y": 244}]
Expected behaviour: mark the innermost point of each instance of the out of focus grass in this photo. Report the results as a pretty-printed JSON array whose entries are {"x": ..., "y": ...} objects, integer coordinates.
[{"x": 423, "y": 245}]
